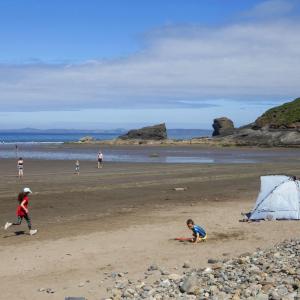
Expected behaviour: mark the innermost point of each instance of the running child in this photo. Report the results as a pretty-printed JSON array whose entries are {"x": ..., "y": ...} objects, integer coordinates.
[
  {"x": 20, "y": 166},
  {"x": 199, "y": 234},
  {"x": 77, "y": 167},
  {"x": 22, "y": 211}
]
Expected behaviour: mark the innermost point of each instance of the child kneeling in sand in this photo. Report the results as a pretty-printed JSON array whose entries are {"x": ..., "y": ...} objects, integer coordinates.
[{"x": 199, "y": 233}]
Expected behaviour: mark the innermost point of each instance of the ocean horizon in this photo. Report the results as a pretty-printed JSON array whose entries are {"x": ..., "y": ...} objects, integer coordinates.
[{"x": 63, "y": 136}]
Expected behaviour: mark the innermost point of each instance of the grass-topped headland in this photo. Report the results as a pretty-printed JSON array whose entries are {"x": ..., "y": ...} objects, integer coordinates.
[{"x": 284, "y": 116}]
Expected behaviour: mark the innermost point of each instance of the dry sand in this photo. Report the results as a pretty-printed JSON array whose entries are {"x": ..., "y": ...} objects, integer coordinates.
[{"x": 122, "y": 218}]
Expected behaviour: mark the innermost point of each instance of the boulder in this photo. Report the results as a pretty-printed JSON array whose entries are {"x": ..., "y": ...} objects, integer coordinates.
[
  {"x": 86, "y": 139},
  {"x": 156, "y": 132},
  {"x": 190, "y": 285},
  {"x": 223, "y": 126}
]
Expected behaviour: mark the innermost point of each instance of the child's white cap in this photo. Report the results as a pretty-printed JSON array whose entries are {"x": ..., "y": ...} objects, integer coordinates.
[{"x": 27, "y": 190}]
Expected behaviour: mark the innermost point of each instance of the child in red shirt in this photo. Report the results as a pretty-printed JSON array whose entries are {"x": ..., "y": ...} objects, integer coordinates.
[{"x": 22, "y": 211}]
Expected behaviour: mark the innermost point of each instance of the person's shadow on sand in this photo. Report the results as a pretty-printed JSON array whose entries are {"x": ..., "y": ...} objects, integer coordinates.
[
  {"x": 184, "y": 241},
  {"x": 16, "y": 233},
  {"x": 20, "y": 232}
]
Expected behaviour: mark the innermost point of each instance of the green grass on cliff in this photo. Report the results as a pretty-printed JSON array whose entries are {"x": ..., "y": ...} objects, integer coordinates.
[{"x": 282, "y": 115}]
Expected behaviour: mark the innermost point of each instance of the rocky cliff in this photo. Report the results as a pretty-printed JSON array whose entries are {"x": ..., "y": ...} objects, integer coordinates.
[{"x": 279, "y": 126}]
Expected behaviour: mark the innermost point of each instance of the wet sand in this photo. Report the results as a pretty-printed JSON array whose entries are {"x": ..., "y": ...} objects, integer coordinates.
[
  {"x": 184, "y": 153},
  {"x": 122, "y": 218}
]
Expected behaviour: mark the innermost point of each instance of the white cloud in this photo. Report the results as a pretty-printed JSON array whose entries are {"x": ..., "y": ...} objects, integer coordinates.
[
  {"x": 272, "y": 8},
  {"x": 245, "y": 60}
]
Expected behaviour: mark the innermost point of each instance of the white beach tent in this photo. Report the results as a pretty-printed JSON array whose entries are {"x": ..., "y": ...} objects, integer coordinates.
[{"x": 279, "y": 198}]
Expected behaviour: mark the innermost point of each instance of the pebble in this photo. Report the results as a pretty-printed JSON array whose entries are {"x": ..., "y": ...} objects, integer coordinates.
[
  {"x": 153, "y": 267},
  {"x": 165, "y": 283},
  {"x": 147, "y": 288},
  {"x": 207, "y": 270},
  {"x": 47, "y": 290},
  {"x": 50, "y": 291},
  {"x": 120, "y": 285},
  {"x": 273, "y": 273},
  {"x": 174, "y": 277},
  {"x": 116, "y": 294},
  {"x": 190, "y": 285},
  {"x": 262, "y": 296},
  {"x": 186, "y": 265},
  {"x": 129, "y": 292},
  {"x": 164, "y": 272}
]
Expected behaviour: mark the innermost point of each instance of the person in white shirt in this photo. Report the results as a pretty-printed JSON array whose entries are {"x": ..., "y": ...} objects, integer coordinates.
[
  {"x": 77, "y": 167},
  {"x": 100, "y": 159},
  {"x": 20, "y": 166}
]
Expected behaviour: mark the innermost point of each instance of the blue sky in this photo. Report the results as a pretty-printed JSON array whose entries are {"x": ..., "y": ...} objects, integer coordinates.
[
  {"x": 109, "y": 64},
  {"x": 74, "y": 31}
]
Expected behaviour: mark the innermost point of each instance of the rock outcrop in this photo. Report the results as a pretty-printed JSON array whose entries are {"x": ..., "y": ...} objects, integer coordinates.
[
  {"x": 264, "y": 137},
  {"x": 156, "y": 132},
  {"x": 86, "y": 139},
  {"x": 277, "y": 127},
  {"x": 223, "y": 126}
]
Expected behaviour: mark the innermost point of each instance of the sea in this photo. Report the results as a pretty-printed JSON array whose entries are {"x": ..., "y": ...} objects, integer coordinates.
[{"x": 61, "y": 136}]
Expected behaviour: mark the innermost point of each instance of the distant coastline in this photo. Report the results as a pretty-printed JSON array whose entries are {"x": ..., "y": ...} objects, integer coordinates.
[{"x": 31, "y": 135}]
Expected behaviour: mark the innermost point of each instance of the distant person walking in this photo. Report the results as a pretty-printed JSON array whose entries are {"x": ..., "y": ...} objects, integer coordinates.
[
  {"x": 17, "y": 150},
  {"x": 22, "y": 211},
  {"x": 20, "y": 166},
  {"x": 77, "y": 167},
  {"x": 100, "y": 159}
]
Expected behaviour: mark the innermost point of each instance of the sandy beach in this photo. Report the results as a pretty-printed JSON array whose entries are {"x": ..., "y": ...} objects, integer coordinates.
[
  {"x": 192, "y": 109},
  {"x": 122, "y": 218}
]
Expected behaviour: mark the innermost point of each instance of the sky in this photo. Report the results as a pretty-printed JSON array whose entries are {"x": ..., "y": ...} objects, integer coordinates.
[{"x": 95, "y": 64}]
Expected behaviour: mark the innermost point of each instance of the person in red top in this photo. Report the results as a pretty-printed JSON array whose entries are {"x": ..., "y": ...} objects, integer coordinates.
[{"x": 22, "y": 211}]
